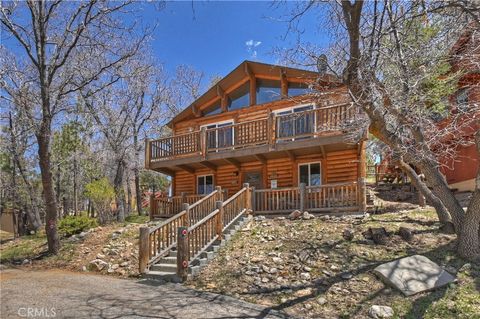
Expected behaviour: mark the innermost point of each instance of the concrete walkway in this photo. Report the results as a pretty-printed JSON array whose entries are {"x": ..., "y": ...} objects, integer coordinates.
[{"x": 62, "y": 294}]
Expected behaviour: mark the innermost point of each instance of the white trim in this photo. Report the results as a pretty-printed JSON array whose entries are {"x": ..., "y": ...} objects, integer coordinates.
[
  {"x": 294, "y": 107},
  {"x": 309, "y": 163}
]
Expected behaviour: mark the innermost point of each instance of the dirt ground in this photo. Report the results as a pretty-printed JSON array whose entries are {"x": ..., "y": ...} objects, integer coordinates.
[{"x": 306, "y": 268}]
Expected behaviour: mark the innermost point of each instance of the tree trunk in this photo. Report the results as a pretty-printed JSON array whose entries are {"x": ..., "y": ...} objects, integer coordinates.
[
  {"x": 48, "y": 193},
  {"x": 75, "y": 195},
  {"x": 118, "y": 186},
  {"x": 469, "y": 238},
  {"x": 442, "y": 213},
  {"x": 129, "y": 196},
  {"x": 136, "y": 172}
]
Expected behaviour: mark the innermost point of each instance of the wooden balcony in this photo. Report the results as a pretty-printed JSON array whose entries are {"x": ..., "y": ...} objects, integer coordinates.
[{"x": 304, "y": 129}]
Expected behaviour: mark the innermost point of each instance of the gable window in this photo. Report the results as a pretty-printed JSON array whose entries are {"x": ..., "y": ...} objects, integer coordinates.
[
  {"x": 239, "y": 98},
  {"x": 295, "y": 89},
  {"x": 310, "y": 174},
  {"x": 295, "y": 122},
  {"x": 219, "y": 135},
  {"x": 268, "y": 91},
  {"x": 204, "y": 184},
  {"x": 214, "y": 109}
]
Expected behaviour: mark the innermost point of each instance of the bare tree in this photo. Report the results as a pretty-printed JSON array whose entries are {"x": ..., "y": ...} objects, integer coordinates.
[{"x": 64, "y": 47}]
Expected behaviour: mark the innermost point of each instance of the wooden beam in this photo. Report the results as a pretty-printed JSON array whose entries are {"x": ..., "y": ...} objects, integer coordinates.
[
  {"x": 291, "y": 154},
  {"x": 208, "y": 165},
  {"x": 234, "y": 162},
  {"x": 223, "y": 98},
  {"x": 165, "y": 171},
  {"x": 261, "y": 158},
  {"x": 196, "y": 111},
  {"x": 253, "y": 85},
  {"x": 187, "y": 168},
  {"x": 322, "y": 149},
  {"x": 283, "y": 84}
]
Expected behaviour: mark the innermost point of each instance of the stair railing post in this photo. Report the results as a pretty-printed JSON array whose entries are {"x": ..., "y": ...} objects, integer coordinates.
[
  {"x": 219, "y": 221},
  {"x": 143, "y": 249},
  {"x": 302, "y": 196},
  {"x": 252, "y": 196},
  {"x": 246, "y": 199},
  {"x": 186, "y": 207},
  {"x": 183, "y": 253},
  {"x": 152, "y": 206},
  {"x": 218, "y": 196}
]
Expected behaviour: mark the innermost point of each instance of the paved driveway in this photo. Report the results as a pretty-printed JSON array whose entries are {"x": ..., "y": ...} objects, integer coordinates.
[{"x": 61, "y": 294}]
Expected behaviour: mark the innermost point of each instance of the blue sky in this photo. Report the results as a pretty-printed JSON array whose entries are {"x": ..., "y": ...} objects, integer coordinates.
[{"x": 215, "y": 37}]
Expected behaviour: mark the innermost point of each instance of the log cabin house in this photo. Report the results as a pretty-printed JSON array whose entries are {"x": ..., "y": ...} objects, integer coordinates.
[{"x": 263, "y": 125}]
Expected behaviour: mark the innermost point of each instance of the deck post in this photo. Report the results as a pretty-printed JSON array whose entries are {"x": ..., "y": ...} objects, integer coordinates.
[
  {"x": 219, "y": 192},
  {"x": 182, "y": 253},
  {"x": 271, "y": 130},
  {"x": 203, "y": 141},
  {"x": 148, "y": 153},
  {"x": 143, "y": 250},
  {"x": 302, "y": 196},
  {"x": 184, "y": 197},
  {"x": 152, "y": 206},
  {"x": 247, "y": 200},
  {"x": 219, "y": 222},
  {"x": 252, "y": 197}
]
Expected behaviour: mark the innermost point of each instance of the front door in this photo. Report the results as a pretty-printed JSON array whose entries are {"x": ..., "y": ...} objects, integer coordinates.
[{"x": 253, "y": 178}]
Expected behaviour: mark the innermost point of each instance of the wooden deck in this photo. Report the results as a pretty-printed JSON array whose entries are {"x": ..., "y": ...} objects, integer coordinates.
[{"x": 316, "y": 127}]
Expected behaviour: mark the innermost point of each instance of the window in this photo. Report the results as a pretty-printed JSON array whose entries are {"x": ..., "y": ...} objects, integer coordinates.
[
  {"x": 239, "y": 98},
  {"x": 295, "y": 89},
  {"x": 214, "y": 109},
  {"x": 205, "y": 184},
  {"x": 292, "y": 124},
  {"x": 310, "y": 174},
  {"x": 219, "y": 135},
  {"x": 268, "y": 91}
]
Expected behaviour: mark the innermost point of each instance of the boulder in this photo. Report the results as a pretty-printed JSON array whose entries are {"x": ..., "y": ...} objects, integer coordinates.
[
  {"x": 348, "y": 234},
  {"x": 378, "y": 312},
  {"x": 379, "y": 235},
  {"x": 413, "y": 274},
  {"x": 97, "y": 265},
  {"x": 296, "y": 214},
  {"x": 307, "y": 216},
  {"x": 405, "y": 233}
]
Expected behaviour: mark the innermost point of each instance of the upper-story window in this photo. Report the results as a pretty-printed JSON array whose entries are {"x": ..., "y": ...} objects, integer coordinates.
[
  {"x": 295, "y": 89},
  {"x": 239, "y": 98},
  {"x": 213, "y": 109},
  {"x": 268, "y": 91}
]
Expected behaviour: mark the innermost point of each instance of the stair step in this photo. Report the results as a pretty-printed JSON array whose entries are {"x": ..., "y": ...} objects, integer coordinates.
[
  {"x": 207, "y": 255},
  {"x": 172, "y": 268},
  {"x": 173, "y": 253},
  {"x": 168, "y": 260},
  {"x": 162, "y": 275}
]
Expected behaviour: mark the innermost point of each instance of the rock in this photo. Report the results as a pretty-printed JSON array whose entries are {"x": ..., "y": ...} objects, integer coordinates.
[
  {"x": 273, "y": 270},
  {"x": 334, "y": 267},
  {"x": 296, "y": 214},
  {"x": 259, "y": 218},
  {"x": 307, "y": 269},
  {"x": 347, "y": 275},
  {"x": 305, "y": 276},
  {"x": 97, "y": 265},
  {"x": 82, "y": 235},
  {"x": 308, "y": 306},
  {"x": 378, "y": 312},
  {"x": 405, "y": 233},
  {"x": 277, "y": 260},
  {"x": 115, "y": 266},
  {"x": 124, "y": 264},
  {"x": 378, "y": 235},
  {"x": 26, "y": 261},
  {"x": 265, "y": 280},
  {"x": 307, "y": 216},
  {"x": 265, "y": 268},
  {"x": 321, "y": 301},
  {"x": 100, "y": 256},
  {"x": 84, "y": 268},
  {"x": 465, "y": 267},
  {"x": 413, "y": 274},
  {"x": 348, "y": 234}
]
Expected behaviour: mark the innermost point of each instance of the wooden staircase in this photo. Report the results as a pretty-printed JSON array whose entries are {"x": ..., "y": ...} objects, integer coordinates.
[{"x": 180, "y": 246}]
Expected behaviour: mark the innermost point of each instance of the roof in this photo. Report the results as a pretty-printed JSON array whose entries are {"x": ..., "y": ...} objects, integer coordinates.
[{"x": 240, "y": 73}]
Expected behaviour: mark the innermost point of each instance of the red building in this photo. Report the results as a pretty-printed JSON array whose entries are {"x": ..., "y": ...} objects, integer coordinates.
[{"x": 461, "y": 171}]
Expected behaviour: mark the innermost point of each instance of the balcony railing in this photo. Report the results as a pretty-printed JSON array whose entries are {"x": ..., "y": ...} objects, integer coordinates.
[{"x": 271, "y": 130}]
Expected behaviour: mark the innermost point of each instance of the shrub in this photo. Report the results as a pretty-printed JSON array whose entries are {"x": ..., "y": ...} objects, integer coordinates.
[
  {"x": 71, "y": 225},
  {"x": 101, "y": 193}
]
